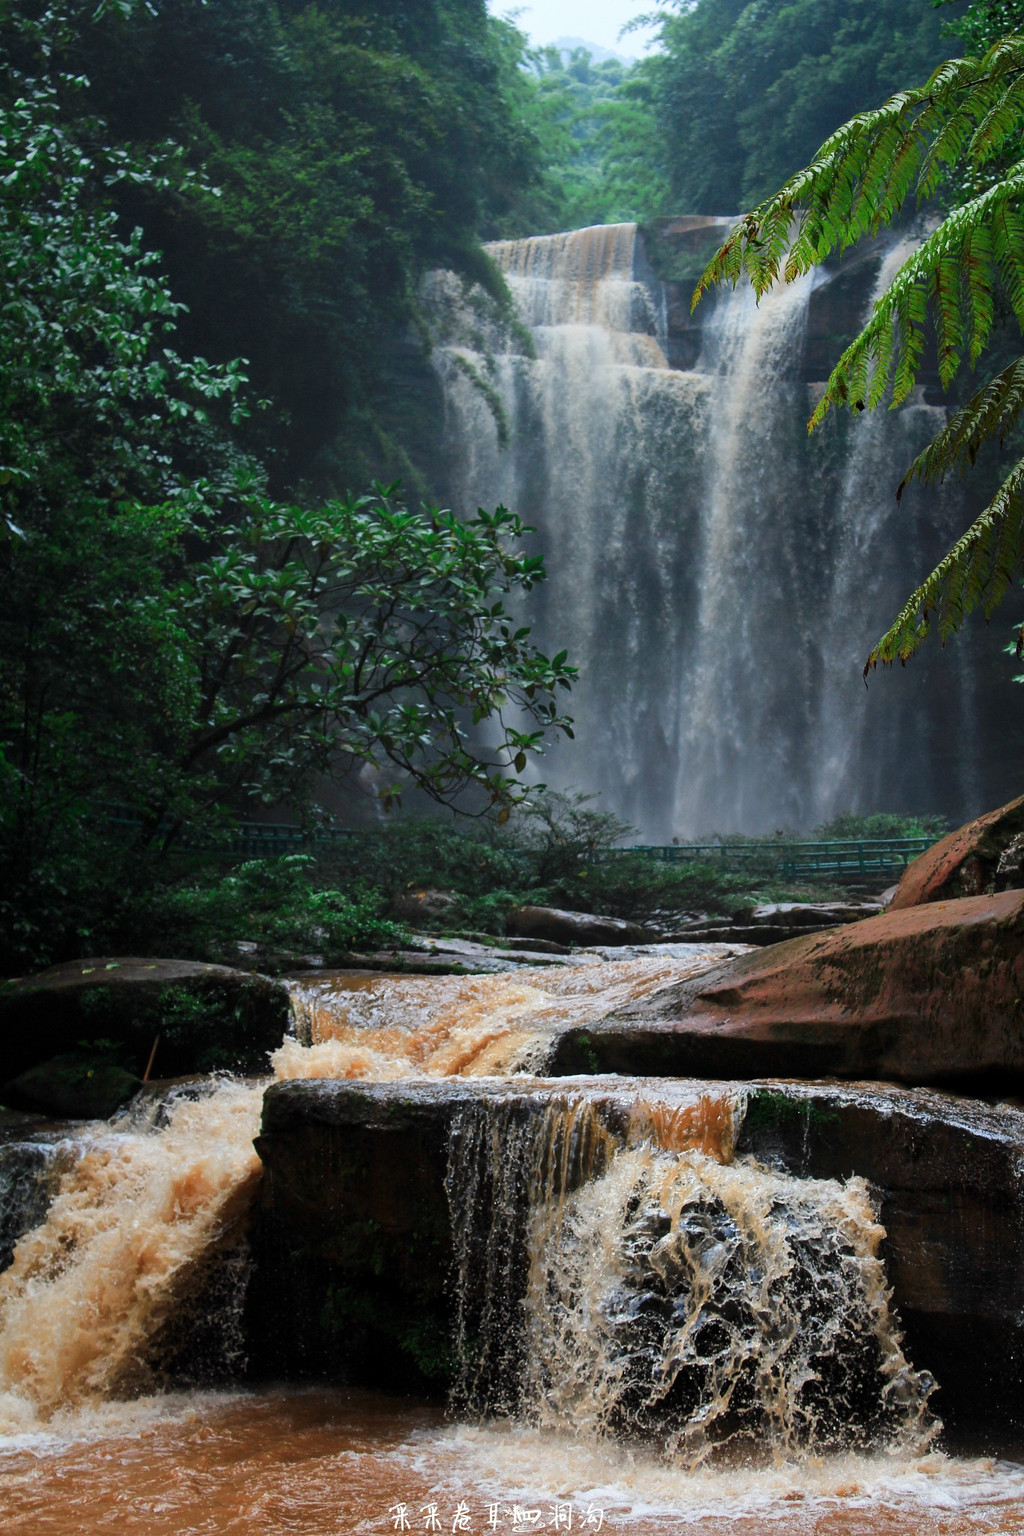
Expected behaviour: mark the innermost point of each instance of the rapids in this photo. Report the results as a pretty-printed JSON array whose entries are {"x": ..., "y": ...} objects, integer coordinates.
[{"x": 684, "y": 1338}]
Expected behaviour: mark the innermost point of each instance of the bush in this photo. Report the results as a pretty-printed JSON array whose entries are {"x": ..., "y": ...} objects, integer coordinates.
[
  {"x": 273, "y": 903},
  {"x": 850, "y": 828}
]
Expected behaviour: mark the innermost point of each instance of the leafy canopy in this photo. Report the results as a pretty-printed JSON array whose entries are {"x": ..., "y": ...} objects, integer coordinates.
[
  {"x": 173, "y": 641},
  {"x": 959, "y": 132}
]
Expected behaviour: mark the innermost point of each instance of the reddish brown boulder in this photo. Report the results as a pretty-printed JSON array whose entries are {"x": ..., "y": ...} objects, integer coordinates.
[
  {"x": 929, "y": 994},
  {"x": 966, "y": 863},
  {"x": 585, "y": 928}
]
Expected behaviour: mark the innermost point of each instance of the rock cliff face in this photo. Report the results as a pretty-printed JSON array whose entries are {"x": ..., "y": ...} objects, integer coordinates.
[{"x": 676, "y": 251}]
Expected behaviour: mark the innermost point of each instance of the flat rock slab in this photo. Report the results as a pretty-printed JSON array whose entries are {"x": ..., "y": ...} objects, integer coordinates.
[
  {"x": 582, "y": 928},
  {"x": 353, "y": 1243},
  {"x": 775, "y": 922},
  {"x": 929, "y": 994},
  {"x": 467, "y": 957}
]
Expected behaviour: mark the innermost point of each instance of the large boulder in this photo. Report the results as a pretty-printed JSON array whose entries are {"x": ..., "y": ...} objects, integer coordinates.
[
  {"x": 967, "y": 862},
  {"x": 931, "y": 994},
  {"x": 580, "y": 928},
  {"x": 75, "y": 1086},
  {"x": 207, "y": 1016}
]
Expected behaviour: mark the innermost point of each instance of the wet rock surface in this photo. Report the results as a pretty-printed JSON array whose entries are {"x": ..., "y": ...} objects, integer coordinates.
[
  {"x": 931, "y": 994},
  {"x": 207, "y": 1016},
  {"x": 947, "y": 1175},
  {"x": 73, "y": 1086},
  {"x": 969, "y": 862},
  {"x": 775, "y": 922},
  {"x": 578, "y": 928}
]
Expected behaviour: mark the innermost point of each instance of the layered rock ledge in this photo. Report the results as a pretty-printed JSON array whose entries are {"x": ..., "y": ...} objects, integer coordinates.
[
  {"x": 929, "y": 995},
  {"x": 353, "y": 1244}
]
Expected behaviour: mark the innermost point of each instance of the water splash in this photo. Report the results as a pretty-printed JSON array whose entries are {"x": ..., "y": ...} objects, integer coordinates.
[
  {"x": 617, "y": 1271},
  {"x": 119, "y": 1254},
  {"x": 607, "y": 1287}
]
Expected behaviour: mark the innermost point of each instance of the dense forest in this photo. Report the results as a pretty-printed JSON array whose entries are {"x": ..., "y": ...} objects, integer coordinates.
[{"x": 216, "y": 219}]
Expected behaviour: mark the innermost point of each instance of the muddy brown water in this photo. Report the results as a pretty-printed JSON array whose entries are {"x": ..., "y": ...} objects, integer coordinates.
[{"x": 84, "y": 1449}]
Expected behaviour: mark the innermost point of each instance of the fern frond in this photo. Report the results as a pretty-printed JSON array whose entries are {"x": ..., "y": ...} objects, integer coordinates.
[
  {"x": 934, "y": 271},
  {"x": 864, "y": 172},
  {"x": 976, "y": 572},
  {"x": 990, "y": 413}
]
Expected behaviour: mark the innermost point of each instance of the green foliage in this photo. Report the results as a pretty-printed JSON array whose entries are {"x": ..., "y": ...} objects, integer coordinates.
[
  {"x": 598, "y": 136},
  {"x": 173, "y": 643},
  {"x": 851, "y": 828},
  {"x": 962, "y": 128},
  {"x": 278, "y": 905},
  {"x": 744, "y": 89},
  {"x": 363, "y": 633},
  {"x": 984, "y": 21},
  {"x": 353, "y": 147}
]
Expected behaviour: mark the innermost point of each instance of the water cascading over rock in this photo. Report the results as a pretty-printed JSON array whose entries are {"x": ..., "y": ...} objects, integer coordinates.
[
  {"x": 617, "y": 1286},
  {"x": 718, "y": 578}
]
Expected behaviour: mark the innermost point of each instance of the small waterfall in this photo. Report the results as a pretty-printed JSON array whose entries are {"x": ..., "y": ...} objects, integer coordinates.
[
  {"x": 94, "y": 1294},
  {"x": 615, "y": 1286},
  {"x": 618, "y": 1271},
  {"x": 718, "y": 578}
]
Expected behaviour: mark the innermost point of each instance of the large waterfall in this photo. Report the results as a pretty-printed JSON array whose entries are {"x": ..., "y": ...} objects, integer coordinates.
[{"x": 718, "y": 578}]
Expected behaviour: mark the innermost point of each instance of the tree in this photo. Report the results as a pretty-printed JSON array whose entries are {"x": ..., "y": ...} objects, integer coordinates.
[
  {"x": 959, "y": 134},
  {"x": 359, "y": 633},
  {"x": 173, "y": 642},
  {"x": 354, "y": 146},
  {"x": 745, "y": 89}
]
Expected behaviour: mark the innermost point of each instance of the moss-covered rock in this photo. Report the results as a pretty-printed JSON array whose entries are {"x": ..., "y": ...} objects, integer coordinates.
[
  {"x": 73, "y": 1086},
  {"x": 207, "y": 1017}
]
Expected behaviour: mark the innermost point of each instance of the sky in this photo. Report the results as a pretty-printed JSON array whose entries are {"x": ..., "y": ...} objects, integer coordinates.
[{"x": 598, "y": 21}]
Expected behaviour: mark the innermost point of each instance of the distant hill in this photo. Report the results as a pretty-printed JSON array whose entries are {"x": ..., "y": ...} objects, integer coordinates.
[{"x": 597, "y": 53}]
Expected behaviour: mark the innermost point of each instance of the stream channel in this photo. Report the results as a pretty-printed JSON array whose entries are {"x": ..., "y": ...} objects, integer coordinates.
[{"x": 640, "y": 1325}]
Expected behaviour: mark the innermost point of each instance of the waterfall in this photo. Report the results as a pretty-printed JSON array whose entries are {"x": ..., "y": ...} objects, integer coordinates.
[
  {"x": 718, "y": 579},
  {"x": 619, "y": 1287}
]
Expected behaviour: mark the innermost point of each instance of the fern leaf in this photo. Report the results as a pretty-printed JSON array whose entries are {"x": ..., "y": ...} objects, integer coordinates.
[
  {"x": 976, "y": 572},
  {"x": 990, "y": 413}
]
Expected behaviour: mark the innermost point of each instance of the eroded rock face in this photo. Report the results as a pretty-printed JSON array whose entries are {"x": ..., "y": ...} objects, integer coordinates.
[
  {"x": 969, "y": 862},
  {"x": 947, "y": 1173},
  {"x": 354, "y": 1245},
  {"x": 582, "y": 928},
  {"x": 928, "y": 994}
]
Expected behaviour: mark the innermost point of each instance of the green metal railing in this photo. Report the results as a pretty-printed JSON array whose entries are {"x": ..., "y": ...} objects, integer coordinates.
[
  {"x": 868, "y": 857},
  {"x": 794, "y": 861}
]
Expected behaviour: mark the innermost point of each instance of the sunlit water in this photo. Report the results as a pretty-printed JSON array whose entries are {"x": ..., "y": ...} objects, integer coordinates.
[{"x": 87, "y": 1443}]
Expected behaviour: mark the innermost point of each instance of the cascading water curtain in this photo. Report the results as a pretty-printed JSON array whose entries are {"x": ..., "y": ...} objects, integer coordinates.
[{"x": 605, "y": 1289}]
